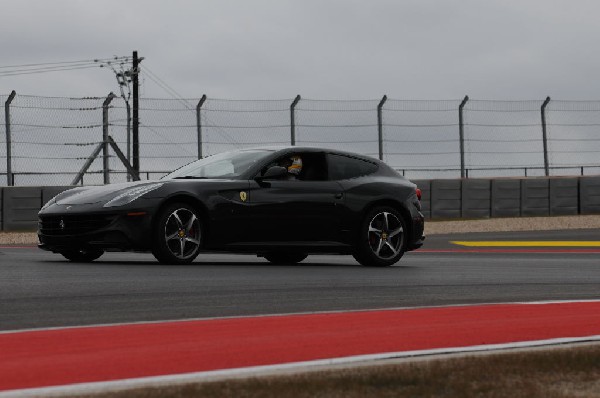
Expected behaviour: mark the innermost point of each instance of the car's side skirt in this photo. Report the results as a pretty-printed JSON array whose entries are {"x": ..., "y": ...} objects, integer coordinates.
[{"x": 305, "y": 247}]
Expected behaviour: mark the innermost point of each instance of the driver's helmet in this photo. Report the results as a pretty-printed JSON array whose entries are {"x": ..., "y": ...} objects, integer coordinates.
[{"x": 296, "y": 167}]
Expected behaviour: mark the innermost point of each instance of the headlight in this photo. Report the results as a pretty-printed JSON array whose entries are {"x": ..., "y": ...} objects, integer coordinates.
[{"x": 132, "y": 194}]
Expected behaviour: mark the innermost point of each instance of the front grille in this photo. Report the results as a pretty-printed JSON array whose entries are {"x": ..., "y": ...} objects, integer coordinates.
[{"x": 72, "y": 224}]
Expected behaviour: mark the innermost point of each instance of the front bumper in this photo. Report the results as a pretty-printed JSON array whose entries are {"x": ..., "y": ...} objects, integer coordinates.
[{"x": 122, "y": 231}]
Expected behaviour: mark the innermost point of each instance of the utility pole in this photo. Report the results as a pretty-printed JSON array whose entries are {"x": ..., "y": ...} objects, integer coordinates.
[
  {"x": 136, "y": 118},
  {"x": 124, "y": 80}
]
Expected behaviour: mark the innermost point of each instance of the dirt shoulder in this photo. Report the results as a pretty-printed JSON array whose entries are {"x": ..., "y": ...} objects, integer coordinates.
[
  {"x": 431, "y": 227},
  {"x": 513, "y": 224},
  {"x": 18, "y": 238},
  {"x": 553, "y": 372}
]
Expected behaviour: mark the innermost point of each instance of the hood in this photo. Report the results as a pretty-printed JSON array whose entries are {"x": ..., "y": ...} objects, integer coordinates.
[{"x": 95, "y": 194}]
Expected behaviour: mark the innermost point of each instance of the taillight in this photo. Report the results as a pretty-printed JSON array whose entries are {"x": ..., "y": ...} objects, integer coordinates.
[{"x": 418, "y": 194}]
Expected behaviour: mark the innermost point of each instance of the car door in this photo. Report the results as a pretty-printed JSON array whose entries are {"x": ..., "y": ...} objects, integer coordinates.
[
  {"x": 228, "y": 212},
  {"x": 297, "y": 210},
  {"x": 300, "y": 211}
]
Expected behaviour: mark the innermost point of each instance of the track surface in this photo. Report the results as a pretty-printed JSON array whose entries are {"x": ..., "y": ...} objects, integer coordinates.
[{"x": 39, "y": 289}]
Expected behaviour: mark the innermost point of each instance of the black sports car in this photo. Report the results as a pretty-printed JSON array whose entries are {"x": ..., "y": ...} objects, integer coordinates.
[{"x": 280, "y": 203}]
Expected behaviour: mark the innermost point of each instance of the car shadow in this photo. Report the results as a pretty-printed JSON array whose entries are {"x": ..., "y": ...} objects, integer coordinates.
[
  {"x": 207, "y": 264},
  {"x": 150, "y": 263}
]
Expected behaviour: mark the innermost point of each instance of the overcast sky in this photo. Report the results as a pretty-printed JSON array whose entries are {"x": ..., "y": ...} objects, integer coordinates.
[{"x": 321, "y": 49}]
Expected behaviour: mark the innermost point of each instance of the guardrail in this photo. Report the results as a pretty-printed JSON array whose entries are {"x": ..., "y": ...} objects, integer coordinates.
[{"x": 473, "y": 198}]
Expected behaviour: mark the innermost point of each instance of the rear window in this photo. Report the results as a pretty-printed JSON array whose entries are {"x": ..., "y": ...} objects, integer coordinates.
[{"x": 344, "y": 167}]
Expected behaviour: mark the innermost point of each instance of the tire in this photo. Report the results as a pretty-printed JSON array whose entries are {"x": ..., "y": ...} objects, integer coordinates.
[
  {"x": 178, "y": 234},
  {"x": 285, "y": 258},
  {"x": 83, "y": 255},
  {"x": 382, "y": 238}
]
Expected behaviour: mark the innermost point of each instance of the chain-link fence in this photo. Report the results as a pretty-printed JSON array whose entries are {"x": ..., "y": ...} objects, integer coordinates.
[
  {"x": 505, "y": 135},
  {"x": 47, "y": 141}
]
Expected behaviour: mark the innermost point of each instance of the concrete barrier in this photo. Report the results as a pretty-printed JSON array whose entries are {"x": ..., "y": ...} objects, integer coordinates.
[
  {"x": 476, "y": 198},
  {"x": 1, "y": 209},
  {"x": 506, "y": 198},
  {"x": 564, "y": 196},
  {"x": 20, "y": 207},
  {"x": 589, "y": 195},
  {"x": 535, "y": 197},
  {"x": 441, "y": 199},
  {"x": 445, "y": 199}
]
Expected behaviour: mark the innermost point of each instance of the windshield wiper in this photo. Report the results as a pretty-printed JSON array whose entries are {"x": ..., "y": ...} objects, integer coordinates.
[{"x": 190, "y": 178}]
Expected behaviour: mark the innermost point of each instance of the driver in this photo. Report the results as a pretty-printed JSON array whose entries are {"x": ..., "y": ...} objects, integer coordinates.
[{"x": 293, "y": 165}]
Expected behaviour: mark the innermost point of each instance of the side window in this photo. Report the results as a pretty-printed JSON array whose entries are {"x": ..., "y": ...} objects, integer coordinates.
[
  {"x": 343, "y": 167},
  {"x": 301, "y": 166}
]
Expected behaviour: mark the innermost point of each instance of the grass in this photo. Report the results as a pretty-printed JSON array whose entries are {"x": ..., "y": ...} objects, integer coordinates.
[{"x": 552, "y": 373}]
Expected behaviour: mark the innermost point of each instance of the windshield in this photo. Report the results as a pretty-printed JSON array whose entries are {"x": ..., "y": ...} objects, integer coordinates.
[{"x": 222, "y": 165}]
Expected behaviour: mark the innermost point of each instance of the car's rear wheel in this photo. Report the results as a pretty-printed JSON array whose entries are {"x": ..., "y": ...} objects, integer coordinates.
[
  {"x": 285, "y": 258},
  {"x": 178, "y": 234},
  {"x": 382, "y": 238},
  {"x": 82, "y": 255}
]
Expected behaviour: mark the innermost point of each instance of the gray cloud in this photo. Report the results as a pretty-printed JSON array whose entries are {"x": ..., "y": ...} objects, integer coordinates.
[{"x": 320, "y": 49}]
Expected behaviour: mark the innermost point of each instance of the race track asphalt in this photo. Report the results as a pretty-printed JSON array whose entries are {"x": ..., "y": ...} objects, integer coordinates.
[{"x": 40, "y": 289}]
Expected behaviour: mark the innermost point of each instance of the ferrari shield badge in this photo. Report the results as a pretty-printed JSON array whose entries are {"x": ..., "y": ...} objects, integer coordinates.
[{"x": 243, "y": 196}]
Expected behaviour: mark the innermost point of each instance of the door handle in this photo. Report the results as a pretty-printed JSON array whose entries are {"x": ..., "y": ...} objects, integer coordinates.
[{"x": 339, "y": 195}]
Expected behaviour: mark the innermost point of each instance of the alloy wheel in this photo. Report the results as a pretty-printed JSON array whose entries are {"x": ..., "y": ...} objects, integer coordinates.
[
  {"x": 385, "y": 235},
  {"x": 182, "y": 233}
]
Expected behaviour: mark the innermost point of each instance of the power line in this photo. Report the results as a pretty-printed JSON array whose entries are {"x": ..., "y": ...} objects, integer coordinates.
[
  {"x": 161, "y": 83},
  {"x": 180, "y": 98},
  {"x": 35, "y": 68},
  {"x": 45, "y": 70},
  {"x": 88, "y": 61}
]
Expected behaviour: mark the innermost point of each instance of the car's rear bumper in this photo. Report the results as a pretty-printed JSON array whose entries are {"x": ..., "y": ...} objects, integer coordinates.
[
  {"x": 417, "y": 244},
  {"x": 417, "y": 231}
]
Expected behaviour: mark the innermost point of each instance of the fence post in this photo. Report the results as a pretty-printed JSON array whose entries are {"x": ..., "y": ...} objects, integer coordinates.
[
  {"x": 293, "y": 120},
  {"x": 9, "y": 176},
  {"x": 461, "y": 132},
  {"x": 105, "y": 144},
  {"x": 380, "y": 125},
  {"x": 199, "y": 124},
  {"x": 545, "y": 137}
]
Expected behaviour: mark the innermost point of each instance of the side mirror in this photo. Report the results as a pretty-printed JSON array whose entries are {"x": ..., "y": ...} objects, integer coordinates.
[{"x": 273, "y": 173}]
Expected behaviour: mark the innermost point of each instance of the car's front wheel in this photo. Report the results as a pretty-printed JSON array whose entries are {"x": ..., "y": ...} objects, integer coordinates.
[
  {"x": 177, "y": 234},
  {"x": 82, "y": 255},
  {"x": 382, "y": 238},
  {"x": 285, "y": 258}
]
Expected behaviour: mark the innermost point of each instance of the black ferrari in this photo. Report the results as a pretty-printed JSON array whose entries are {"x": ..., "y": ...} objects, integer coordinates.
[{"x": 279, "y": 203}]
